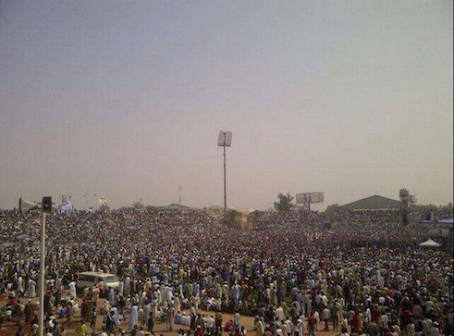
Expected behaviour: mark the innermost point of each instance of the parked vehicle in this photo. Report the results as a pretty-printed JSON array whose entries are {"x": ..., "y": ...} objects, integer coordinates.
[{"x": 92, "y": 279}]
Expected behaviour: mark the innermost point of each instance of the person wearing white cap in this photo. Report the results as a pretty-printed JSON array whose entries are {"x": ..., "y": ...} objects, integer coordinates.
[
  {"x": 434, "y": 331},
  {"x": 34, "y": 330},
  {"x": 20, "y": 285},
  {"x": 31, "y": 288},
  {"x": 299, "y": 330},
  {"x": 72, "y": 290}
]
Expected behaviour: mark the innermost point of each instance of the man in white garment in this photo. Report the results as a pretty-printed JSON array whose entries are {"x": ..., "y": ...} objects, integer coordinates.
[
  {"x": 290, "y": 327},
  {"x": 31, "y": 288},
  {"x": 237, "y": 321},
  {"x": 134, "y": 320},
  {"x": 127, "y": 288},
  {"x": 121, "y": 287},
  {"x": 20, "y": 285},
  {"x": 169, "y": 293},
  {"x": 177, "y": 304},
  {"x": 116, "y": 318},
  {"x": 300, "y": 327},
  {"x": 280, "y": 314},
  {"x": 111, "y": 296}
]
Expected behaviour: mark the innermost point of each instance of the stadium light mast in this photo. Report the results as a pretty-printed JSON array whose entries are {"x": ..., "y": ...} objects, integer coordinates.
[{"x": 225, "y": 140}]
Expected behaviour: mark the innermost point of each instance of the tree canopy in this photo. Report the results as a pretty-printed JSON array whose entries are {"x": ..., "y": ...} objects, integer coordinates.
[
  {"x": 285, "y": 203},
  {"x": 332, "y": 209},
  {"x": 138, "y": 205},
  {"x": 233, "y": 218}
]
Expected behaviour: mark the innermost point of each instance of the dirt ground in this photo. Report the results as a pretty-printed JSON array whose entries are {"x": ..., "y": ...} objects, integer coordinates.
[{"x": 9, "y": 328}]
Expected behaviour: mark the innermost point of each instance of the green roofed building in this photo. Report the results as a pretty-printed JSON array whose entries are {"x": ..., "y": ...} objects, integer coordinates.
[
  {"x": 175, "y": 207},
  {"x": 373, "y": 203}
]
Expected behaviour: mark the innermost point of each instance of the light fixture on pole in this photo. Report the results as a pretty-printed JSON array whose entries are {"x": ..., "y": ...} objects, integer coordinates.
[
  {"x": 225, "y": 140},
  {"x": 46, "y": 208}
]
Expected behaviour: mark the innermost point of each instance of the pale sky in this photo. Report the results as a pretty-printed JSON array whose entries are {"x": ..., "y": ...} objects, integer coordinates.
[{"x": 126, "y": 99}]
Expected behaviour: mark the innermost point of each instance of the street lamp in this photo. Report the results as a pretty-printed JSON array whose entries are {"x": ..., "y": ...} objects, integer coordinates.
[
  {"x": 46, "y": 209},
  {"x": 225, "y": 140}
]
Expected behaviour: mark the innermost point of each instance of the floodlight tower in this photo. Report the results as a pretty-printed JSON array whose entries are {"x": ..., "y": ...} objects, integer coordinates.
[{"x": 225, "y": 140}]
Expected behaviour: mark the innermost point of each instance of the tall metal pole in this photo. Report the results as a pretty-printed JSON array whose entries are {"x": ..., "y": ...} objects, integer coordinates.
[
  {"x": 42, "y": 275},
  {"x": 225, "y": 187}
]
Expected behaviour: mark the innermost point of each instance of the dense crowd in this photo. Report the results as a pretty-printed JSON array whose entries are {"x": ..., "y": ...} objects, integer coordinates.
[
  {"x": 362, "y": 274},
  {"x": 356, "y": 228}
]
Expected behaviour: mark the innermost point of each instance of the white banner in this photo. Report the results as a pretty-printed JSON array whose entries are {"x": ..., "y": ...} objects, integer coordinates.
[{"x": 66, "y": 203}]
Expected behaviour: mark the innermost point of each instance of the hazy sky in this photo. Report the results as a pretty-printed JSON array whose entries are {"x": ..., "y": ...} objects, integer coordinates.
[{"x": 126, "y": 98}]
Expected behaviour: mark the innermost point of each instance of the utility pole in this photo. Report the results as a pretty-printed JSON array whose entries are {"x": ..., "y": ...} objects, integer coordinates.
[
  {"x": 225, "y": 186},
  {"x": 42, "y": 277},
  {"x": 46, "y": 208},
  {"x": 225, "y": 140}
]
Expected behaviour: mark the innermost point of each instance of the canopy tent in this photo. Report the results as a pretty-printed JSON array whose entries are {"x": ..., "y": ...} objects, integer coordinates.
[{"x": 429, "y": 243}]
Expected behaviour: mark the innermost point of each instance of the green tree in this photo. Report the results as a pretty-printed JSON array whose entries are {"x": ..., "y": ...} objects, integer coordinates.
[
  {"x": 426, "y": 207},
  {"x": 151, "y": 207},
  {"x": 233, "y": 218},
  {"x": 285, "y": 203},
  {"x": 104, "y": 207},
  {"x": 332, "y": 209},
  {"x": 138, "y": 206}
]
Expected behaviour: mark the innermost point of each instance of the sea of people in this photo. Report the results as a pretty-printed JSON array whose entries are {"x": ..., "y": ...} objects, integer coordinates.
[{"x": 358, "y": 273}]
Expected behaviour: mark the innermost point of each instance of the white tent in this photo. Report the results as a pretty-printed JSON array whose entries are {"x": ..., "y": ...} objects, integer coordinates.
[{"x": 429, "y": 243}]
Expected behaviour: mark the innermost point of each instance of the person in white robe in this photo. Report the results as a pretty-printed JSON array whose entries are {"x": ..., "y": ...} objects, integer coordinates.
[
  {"x": 116, "y": 316},
  {"x": 72, "y": 290},
  {"x": 300, "y": 327},
  {"x": 121, "y": 287},
  {"x": 297, "y": 307},
  {"x": 111, "y": 296},
  {"x": 237, "y": 321},
  {"x": 31, "y": 288},
  {"x": 177, "y": 304},
  {"x": 127, "y": 288},
  {"x": 146, "y": 312},
  {"x": 134, "y": 319},
  {"x": 186, "y": 320},
  {"x": 180, "y": 288},
  {"x": 280, "y": 314},
  {"x": 154, "y": 305},
  {"x": 20, "y": 285},
  {"x": 259, "y": 327},
  {"x": 169, "y": 293}
]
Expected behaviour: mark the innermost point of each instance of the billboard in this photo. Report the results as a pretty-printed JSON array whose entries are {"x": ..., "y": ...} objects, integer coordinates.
[
  {"x": 66, "y": 203},
  {"x": 312, "y": 197}
]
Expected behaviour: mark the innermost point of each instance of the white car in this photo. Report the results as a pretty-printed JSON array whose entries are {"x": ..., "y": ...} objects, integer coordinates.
[{"x": 91, "y": 279}]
